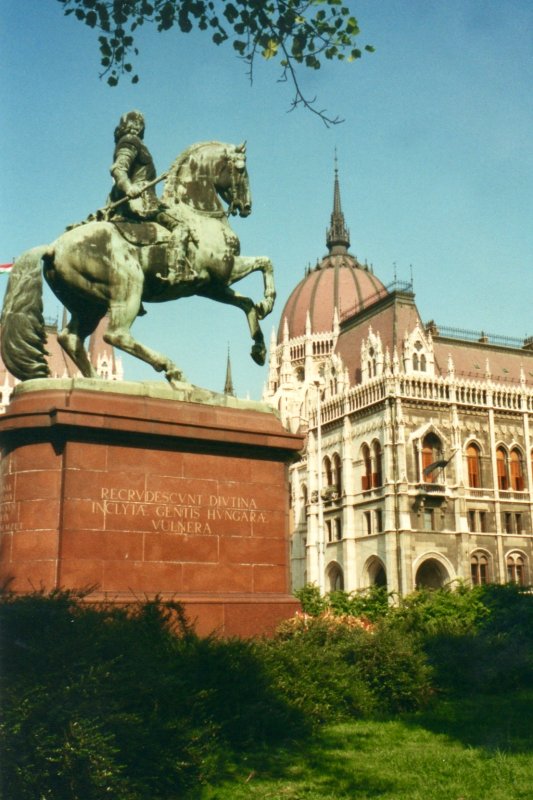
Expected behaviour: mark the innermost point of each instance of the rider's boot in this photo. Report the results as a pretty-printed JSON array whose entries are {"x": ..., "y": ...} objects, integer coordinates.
[{"x": 180, "y": 269}]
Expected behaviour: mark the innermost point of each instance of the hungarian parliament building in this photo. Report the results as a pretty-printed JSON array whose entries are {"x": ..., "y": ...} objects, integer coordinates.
[{"x": 417, "y": 466}]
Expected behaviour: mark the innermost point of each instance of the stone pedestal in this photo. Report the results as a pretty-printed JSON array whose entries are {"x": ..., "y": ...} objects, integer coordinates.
[{"x": 138, "y": 496}]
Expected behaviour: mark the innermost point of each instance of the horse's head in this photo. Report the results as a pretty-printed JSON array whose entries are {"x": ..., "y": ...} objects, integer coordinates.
[
  {"x": 231, "y": 180},
  {"x": 207, "y": 171}
]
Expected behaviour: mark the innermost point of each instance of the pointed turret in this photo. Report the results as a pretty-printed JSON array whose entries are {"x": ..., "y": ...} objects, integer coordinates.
[
  {"x": 228, "y": 386},
  {"x": 338, "y": 236}
]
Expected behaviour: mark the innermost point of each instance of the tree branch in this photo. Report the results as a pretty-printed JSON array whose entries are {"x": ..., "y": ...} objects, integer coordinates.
[{"x": 296, "y": 33}]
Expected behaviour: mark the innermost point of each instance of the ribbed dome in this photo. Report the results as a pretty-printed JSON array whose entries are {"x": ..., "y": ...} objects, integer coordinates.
[{"x": 338, "y": 282}]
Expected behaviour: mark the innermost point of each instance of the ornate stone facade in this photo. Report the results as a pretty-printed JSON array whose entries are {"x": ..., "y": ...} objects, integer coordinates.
[{"x": 417, "y": 468}]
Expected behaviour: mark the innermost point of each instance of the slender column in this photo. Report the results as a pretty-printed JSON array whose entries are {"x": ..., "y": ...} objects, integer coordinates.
[
  {"x": 348, "y": 524},
  {"x": 312, "y": 518},
  {"x": 320, "y": 543},
  {"x": 497, "y": 509},
  {"x": 529, "y": 471}
]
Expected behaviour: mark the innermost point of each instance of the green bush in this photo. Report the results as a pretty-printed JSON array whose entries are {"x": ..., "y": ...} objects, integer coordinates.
[
  {"x": 332, "y": 669},
  {"x": 126, "y": 703},
  {"x": 311, "y": 601},
  {"x": 394, "y": 666},
  {"x": 477, "y": 639},
  {"x": 371, "y": 603},
  {"x": 454, "y": 609},
  {"x": 509, "y": 610},
  {"x": 313, "y": 670},
  {"x": 129, "y": 703}
]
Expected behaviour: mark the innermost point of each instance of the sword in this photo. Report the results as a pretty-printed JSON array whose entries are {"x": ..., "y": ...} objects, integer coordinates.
[{"x": 102, "y": 213}]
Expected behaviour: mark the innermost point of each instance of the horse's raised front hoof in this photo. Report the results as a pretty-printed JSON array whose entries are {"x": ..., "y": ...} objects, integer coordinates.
[
  {"x": 174, "y": 376},
  {"x": 264, "y": 307},
  {"x": 259, "y": 354}
]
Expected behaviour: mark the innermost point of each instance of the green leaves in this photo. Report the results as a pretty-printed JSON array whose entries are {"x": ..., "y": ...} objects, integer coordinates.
[
  {"x": 293, "y": 32},
  {"x": 126, "y": 703}
]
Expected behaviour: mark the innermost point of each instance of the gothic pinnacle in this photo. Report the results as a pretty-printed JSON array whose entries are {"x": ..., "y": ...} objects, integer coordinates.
[{"x": 338, "y": 236}]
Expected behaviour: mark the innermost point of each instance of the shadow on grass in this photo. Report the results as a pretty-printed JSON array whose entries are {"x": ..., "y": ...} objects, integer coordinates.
[
  {"x": 389, "y": 758},
  {"x": 321, "y": 767},
  {"x": 492, "y": 722}
]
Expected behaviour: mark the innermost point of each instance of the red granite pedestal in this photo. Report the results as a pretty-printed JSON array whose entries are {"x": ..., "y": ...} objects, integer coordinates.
[{"x": 139, "y": 496}]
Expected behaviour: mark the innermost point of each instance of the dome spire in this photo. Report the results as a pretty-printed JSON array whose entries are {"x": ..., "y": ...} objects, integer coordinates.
[{"x": 338, "y": 236}]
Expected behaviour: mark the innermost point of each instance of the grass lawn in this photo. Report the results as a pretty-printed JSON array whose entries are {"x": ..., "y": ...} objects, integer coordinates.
[{"x": 474, "y": 749}]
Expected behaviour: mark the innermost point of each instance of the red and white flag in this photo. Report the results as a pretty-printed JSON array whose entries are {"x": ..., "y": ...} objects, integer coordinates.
[{"x": 5, "y": 268}]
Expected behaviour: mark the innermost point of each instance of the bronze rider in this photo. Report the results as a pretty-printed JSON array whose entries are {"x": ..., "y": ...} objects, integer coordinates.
[{"x": 132, "y": 168}]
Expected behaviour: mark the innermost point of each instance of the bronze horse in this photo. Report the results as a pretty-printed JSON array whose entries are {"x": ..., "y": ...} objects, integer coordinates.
[{"x": 96, "y": 269}]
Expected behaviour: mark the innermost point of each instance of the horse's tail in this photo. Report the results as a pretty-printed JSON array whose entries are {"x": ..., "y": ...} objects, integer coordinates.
[{"x": 23, "y": 336}]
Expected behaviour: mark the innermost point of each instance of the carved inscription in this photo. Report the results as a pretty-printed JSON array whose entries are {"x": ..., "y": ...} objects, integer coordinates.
[
  {"x": 8, "y": 507},
  {"x": 178, "y": 512}
]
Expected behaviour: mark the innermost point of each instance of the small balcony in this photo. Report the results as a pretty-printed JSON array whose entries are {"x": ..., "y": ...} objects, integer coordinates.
[
  {"x": 433, "y": 489},
  {"x": 330, "y": 494}
]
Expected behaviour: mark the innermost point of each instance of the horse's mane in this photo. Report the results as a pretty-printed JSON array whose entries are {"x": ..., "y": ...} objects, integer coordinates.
[{"x": 171, "y": 183}]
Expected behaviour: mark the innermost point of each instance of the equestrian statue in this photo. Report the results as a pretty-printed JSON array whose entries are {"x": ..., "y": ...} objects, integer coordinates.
[{"x": 139, "y": 249}]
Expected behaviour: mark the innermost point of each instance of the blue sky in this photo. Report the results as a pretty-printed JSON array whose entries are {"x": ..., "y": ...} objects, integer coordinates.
[{"x": 435, "y": 159}]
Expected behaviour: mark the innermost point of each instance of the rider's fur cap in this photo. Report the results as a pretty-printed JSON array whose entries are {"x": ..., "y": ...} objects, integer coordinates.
[{"x": 130, "y": 123}]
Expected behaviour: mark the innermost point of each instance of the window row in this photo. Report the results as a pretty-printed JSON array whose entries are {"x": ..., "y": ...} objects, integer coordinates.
[
  {"x": 371, "y": 461},
  {"x": 480, "y": 521},
  {"x": 431, "y": 574},
  {"x": 372, "y": 522},
  {"x": 510, "y": 468},
  {"x": 481, "y": 568}
]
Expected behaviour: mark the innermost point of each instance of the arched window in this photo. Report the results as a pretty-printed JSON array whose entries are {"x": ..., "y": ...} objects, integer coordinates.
[
  {"x": 337, "y": 472},
  {"x": 431, "y": 574},
  {"x": 377, "y": 575},
  {"x": 303, "y": 507},
  {"x": 366, "y": 477},
  {"x": 473, "y": 461},
  {"x": 377, "y": 478},
  {"x": 516, "y": 572},
  {"x": 501, "y": 469},
  {"x": 372, "y": 367},
  {"x": 327, "y": 471},
  {"x": 431, "y": 453},
  {"x": 517, "y": 470},
  {"x": 335, "y": 578},
  {"x": 479, "y": 569},
  {"x": 419, "y": 358}
]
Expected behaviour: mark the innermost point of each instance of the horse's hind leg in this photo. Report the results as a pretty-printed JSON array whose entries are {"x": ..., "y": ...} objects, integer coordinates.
[
  {"x": 72, "y": 339},
  {"x": 121, "y": 318}
]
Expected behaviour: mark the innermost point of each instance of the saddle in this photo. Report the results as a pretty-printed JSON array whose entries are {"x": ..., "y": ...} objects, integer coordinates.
[
  {"x": 142, "y": 234},
  {"x": 153, "y": 240}
]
